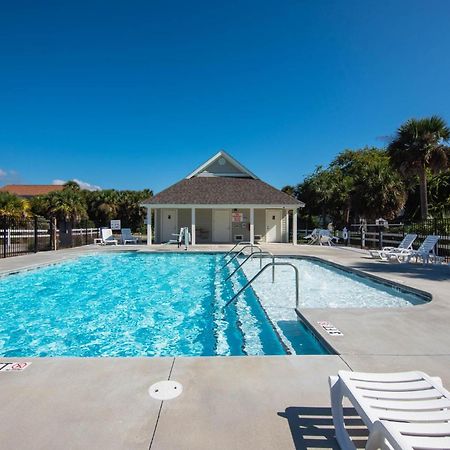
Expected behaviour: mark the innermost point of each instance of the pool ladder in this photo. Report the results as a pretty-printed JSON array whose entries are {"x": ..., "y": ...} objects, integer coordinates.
[
  {"x": 261, "y": 253},
  {"x": 273, "y": 265},
  {"x": 235, "y": 245},
  {"x": 240, "y": 252}
]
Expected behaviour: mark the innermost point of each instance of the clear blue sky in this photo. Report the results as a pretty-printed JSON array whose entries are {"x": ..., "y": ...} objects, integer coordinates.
[{"x": 137, "y": 94}]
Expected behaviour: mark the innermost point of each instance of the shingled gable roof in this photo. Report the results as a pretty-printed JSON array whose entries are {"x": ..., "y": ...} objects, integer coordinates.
[{"x": 243, "y": 189}]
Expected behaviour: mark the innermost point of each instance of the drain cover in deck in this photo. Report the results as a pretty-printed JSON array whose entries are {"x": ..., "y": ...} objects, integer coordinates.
[{"x": 165, "y": 390}]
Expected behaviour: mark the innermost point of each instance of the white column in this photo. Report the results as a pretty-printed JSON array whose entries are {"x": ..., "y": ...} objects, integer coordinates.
[
  {"x": 193, "y": 226},
  {"x": 252, "y": 225},
  {"x": 149, "y": 226},
  {"x": 294, "y": 226},
  {"x": 155, "y": 225},
  {"x": 287, "y": 225}
]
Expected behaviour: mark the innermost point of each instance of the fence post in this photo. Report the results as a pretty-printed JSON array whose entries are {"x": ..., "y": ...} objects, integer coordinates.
[
  {"x": 86, "y": 232},
  {"x": 55, "y": 234},
  {"x": 380, "y": 238},
  {"x": 50, "y": 232},
  {"x": 35, "y": 234},
  {"x": 4, "y": 238}
]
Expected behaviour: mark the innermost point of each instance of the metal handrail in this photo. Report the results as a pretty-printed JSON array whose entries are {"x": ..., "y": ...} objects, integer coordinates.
[
  {"x": 260, "y": 264},
  {"x": 240, "y": 252},
  {"x": 260, "y": 272},
  {"x": 234, "y": 246}
]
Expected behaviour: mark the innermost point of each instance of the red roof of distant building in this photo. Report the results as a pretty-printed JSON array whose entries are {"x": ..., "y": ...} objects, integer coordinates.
[{"x": 31, "y": 190}]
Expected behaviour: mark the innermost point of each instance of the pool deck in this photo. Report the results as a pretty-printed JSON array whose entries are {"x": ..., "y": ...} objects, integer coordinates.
[{"x": 265, "y": 402}]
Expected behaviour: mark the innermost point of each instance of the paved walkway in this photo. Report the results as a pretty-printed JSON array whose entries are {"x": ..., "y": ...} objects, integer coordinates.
[{"x": 265, "y": 402}]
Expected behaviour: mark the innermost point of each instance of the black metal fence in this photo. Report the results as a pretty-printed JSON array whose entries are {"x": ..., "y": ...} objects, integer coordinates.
[{"x": 20, "y": 236}]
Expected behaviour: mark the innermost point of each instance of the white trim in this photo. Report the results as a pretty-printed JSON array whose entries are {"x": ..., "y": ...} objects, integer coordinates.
[
  {"x": 224, "y": 175},
  {"x": 221, "y": 206},
  {"x": 222, "y": 154}
]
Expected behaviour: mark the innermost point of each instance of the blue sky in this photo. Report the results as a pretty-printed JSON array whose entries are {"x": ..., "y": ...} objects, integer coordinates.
[{"x": 137, "y": 94}]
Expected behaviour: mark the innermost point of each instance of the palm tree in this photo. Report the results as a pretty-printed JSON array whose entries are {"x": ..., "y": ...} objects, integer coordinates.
[
  {"x": 67, "y": 205},
  {"x": 419, "y": 147},
  {"x": 13, "y": 206}
]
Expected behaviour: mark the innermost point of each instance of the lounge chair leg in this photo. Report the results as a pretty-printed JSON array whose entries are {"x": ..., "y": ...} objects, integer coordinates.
[
  {"x": 377, "y": 438},
  {"x": 342, "y": 436}
]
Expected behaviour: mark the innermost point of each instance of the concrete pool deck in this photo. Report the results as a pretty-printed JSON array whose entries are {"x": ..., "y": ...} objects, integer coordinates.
[{"x": 264, "y": 402}]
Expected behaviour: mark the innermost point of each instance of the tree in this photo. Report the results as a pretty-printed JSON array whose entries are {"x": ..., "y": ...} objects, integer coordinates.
[
  {"x": 13, "y": 206},
  {"x": 71, "y": 185},
  {"x": 419, "y": 147},
  {"x": 288, "y": 189},
  {"x": 66, "y": 205},
  {"x": 357, "y": 183},
  {"x": 373, "y": 188}
]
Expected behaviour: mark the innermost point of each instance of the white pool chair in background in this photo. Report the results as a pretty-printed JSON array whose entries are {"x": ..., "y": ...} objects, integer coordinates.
[
  {"x": 406, "y": 410},
  {"x": 405, "y": 244},
  {"x": 327, "y": 238},
  {"x": 128, "y": 237},
  {"x": 312, "y": 237},
  {"x": 108, "y": 237},
  {"x": 427, "y": 251}
]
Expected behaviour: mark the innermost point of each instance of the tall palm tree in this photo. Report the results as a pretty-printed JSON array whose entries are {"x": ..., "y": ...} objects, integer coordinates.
[{"x": 419, "y": 147}]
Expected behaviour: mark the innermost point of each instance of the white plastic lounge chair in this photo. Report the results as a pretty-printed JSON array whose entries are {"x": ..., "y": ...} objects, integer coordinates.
[
  {"x": 312, "y": 237},
  {"x": 426, "y": 252},
  {"x": 405, "y": 244},
  {"x": 128, "y": 237},
  {"x": 107, "y": 237},
  {"x": 408, "y": 410},
  {"x": 325, "y": 237}
]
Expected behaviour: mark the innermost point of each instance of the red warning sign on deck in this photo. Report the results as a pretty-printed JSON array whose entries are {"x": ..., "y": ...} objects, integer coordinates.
[{"x": 13, "y": 366}]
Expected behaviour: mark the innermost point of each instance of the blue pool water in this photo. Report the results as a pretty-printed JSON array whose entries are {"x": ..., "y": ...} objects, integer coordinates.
[{"x": 137, "y": 304}]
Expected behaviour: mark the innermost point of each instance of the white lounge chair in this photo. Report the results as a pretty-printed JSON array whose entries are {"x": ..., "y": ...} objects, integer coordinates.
[
  {"x": 107, "y": 237},
  {"x": 405, "y": 244},
  {"x": 426, "y": 252},
  {"x": 312, "y": 237},
  {"x": 128, "y": 237},
  {"x": 408, "y": 410},
  {"x": 325, "y": 237}
]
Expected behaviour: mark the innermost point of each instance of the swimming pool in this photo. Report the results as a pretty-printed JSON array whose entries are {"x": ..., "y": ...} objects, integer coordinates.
[
  {"x": 140, "y": 304},
  {"x": 323, "y": 285}
]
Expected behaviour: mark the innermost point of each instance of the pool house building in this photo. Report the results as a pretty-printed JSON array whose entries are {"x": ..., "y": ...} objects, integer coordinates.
[{"x": 222, "y": 202}]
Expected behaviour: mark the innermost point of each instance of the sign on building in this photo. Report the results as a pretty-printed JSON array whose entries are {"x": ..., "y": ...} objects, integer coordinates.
[
  {"x": 115, "y": 224},
  {"x": 237, "y": 217}
]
